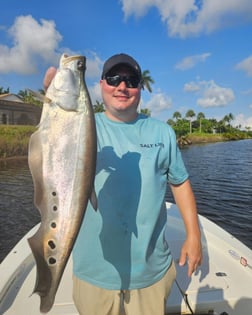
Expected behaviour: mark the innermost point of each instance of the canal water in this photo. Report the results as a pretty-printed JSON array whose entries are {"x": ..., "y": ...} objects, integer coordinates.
[{"x": 220, "y": 173}]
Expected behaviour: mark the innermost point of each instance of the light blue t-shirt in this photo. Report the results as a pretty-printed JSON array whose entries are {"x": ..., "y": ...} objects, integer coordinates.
[{"x": 122, "y": 244}]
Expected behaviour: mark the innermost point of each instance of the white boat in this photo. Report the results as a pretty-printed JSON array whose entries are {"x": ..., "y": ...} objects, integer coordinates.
[{"x": 222, "y": 285}]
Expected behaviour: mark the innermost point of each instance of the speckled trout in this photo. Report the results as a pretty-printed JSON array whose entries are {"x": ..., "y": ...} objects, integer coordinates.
[{"x": 62, "y": 161}]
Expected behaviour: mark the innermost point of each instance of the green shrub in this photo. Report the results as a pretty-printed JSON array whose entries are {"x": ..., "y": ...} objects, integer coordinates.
[{"x": 14, "y": 140}]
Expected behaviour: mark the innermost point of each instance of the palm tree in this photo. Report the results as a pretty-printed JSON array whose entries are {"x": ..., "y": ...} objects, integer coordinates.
[
  {"x": 146, "y": 111},
  {"x": 231, "y": 117},
  {"x": 147, "y": 80},
  {"x": 200, "y": 116},
  {"x": 98, "y": 107},
  {"x": 4, "y": 91},
  {"x": 30, "y": 97},
  {"x": 42, "y": 91},
  {"x": 248, "y": 128},
  {"x": 176, "y": 115},
  {"x": 227, "y": 119},
  {"x": 23, "y": 94},
  {"x": 170, "y": 122},
  {"x": 190, "y": 114}
]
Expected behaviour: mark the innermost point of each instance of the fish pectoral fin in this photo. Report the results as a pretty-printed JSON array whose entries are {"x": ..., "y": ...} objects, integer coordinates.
[
  {"x": 40, "y": 97},
  {"x": 93, "y": 200}
]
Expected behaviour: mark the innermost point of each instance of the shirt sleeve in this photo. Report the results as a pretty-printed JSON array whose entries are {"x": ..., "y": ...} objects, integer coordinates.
[{"x": 177, "y": 172}]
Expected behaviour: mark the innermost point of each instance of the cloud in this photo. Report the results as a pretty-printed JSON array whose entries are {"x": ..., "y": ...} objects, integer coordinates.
[
  {"x": 243, "y": 121},
  {"x": 32, "y": 41},
  {"x": 215, "y": 96},
  {"x": 246, "y": 66},
  {"x": 137, "y": 8},
  {"x": 37, "y": 42},
  {"x": 191, "y": 87},
  {"x": 191, "y": 18},
  {"x": 95, "y": 93},
  {"x": 211, "y": 94},
  {"x": 158, "y": 103},
  {"x": 191, "y": 61},
  {"x": 94, "y": 64}
]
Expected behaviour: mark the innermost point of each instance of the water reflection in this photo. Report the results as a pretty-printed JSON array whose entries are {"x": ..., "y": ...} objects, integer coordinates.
[
  {"x": 17, "y": 212},
  {"x": 221, "y": 176}
]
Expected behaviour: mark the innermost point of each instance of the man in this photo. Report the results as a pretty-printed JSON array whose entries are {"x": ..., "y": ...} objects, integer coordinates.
[{"x": 120, "y": 256}]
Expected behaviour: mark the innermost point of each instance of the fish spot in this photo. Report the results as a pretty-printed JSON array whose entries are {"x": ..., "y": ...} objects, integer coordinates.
[
  {"x": 53, "y": 225},
  {"x": 51, "y": 244},
  {"x": 52, "y": 261}
]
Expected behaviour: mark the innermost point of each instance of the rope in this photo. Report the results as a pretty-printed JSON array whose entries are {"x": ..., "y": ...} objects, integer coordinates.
[{"x": 184, "y": 295}]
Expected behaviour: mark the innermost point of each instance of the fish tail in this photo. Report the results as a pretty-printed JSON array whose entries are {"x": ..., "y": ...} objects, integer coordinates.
[{"x": 43, "y": 285}]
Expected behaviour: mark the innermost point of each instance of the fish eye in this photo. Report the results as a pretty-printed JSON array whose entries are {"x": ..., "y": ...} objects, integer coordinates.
[{"x": 80, "y": 65}]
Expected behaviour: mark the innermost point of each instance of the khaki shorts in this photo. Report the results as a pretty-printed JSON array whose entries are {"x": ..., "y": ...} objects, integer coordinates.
[{"x": 91, "y": 300}]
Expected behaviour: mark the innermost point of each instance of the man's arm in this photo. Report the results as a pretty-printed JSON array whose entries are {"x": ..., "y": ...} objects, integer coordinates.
[{"x": 191, "y": 250}]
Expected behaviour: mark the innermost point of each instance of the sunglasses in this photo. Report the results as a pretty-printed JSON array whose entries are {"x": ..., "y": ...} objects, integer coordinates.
[{"x": 130, "y": 81}]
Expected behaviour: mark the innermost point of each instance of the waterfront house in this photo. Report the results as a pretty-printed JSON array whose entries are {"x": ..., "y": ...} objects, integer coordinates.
[{"x": 13, "y": 111}]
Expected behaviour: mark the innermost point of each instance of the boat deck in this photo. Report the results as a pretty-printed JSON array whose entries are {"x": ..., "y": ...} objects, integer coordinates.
[{"x": 222, "y": 284}]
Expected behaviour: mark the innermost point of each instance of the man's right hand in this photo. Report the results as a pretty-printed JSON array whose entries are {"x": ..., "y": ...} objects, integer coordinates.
[{"x": 50, "y": 74}]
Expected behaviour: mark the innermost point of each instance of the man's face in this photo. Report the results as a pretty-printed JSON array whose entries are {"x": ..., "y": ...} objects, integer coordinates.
[{"x": 120, "y": 99}]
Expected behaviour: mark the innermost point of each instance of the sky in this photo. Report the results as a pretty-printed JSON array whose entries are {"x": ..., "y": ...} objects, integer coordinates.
[{"x": 199, "y": 53}]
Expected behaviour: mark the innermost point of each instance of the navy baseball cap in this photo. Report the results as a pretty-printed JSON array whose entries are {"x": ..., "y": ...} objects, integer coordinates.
[{"x": 121, "y": 59}]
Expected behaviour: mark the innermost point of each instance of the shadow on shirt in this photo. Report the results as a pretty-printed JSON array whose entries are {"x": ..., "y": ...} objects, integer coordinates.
[{"x": 118, "y": 203}]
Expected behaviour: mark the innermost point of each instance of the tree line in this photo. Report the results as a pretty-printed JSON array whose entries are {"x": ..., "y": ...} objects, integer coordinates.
[{"x": 192, "y": 123}]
